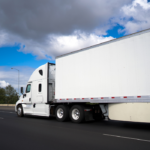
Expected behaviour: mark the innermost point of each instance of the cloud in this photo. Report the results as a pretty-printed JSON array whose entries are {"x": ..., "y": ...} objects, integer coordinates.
[
  {"x": 50, "y": 28},
  {"x": 34, "y": 19},
  {"x": 54, "y": 45},
  {"x": 41, "y": 26},
  {"x": 135, "y": 16},
  {"x": 3, "y": 83},
  {"x": 65, "y": 44}
]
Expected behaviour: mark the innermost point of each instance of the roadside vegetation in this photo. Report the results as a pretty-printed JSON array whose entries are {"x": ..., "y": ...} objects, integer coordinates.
[{"x": 8, "y": 95}]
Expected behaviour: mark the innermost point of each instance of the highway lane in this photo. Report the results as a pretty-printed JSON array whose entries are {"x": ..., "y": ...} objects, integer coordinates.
[
  {"x": 48, "y": 134},
  {"x": 6, "y": 108}
]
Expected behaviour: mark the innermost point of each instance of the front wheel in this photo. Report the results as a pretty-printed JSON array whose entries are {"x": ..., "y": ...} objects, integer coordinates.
[
  {"x": 20, "y": 111},
  {"x": 77, "y": 114}
]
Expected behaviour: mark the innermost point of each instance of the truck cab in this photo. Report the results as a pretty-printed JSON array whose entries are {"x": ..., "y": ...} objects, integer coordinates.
[{"x": 39, "y": 91}]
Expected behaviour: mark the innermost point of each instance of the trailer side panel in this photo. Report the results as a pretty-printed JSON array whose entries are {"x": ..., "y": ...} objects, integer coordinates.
[{"x": 117, "y": 68}]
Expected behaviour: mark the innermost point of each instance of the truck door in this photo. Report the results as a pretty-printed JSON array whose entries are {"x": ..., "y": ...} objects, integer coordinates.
[
  {"x": 27, "y": 106},
  {"x": 27, "y": 95},
  {"x": 39, "y": 108}
]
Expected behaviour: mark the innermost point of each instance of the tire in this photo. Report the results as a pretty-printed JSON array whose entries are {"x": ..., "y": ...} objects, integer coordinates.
[
  {"x": 62, "y": 113},
  {"x": 77, "y": 114},
  {"x": 20, "y": 111}
]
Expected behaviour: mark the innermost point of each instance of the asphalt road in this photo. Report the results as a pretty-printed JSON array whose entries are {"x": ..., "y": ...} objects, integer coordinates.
[{"x": 39, "y": 133}]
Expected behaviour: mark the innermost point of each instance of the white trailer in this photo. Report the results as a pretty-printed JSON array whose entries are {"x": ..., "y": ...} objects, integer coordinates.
[{"x": 109, "y": 79}]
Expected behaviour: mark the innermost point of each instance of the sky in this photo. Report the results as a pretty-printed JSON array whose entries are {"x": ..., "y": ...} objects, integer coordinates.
[{"x": 34, "y": 32}]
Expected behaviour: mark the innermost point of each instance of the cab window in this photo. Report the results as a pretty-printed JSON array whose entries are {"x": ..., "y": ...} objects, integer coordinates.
[
  {"x": 28, "y": 88},
  {"x": 40, "y": 87},
  {"x": 41, "y": 72}
]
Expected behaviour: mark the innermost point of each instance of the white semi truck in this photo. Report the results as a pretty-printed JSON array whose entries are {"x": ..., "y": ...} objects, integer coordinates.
[{"x": 110, "y": 79}]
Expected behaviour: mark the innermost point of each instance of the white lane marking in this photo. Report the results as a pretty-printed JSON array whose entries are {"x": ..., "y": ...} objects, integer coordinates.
[
  {"x": 127, "y": 137},
  {"x": 1, "y": 118}
]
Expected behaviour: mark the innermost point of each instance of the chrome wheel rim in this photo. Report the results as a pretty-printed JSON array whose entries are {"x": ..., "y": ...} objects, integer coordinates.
[
  {"x": 75, "y": 114},
  {"x": 19, "y": 111},
  {"x": 60, "y": 113}
]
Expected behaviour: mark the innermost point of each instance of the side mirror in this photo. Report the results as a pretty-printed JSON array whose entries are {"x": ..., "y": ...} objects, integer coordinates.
[{"x": 21, "y": 90}]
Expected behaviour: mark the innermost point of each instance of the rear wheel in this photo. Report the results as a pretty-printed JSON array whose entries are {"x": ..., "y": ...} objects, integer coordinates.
[
  {"x": 20, "y": 111},
  {"x": 77, "y": 114},
  {"x": 62, "y": 113}
]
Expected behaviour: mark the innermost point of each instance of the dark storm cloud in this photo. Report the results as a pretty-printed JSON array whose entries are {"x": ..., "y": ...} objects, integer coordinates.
[{"x": 34, "y": 19}]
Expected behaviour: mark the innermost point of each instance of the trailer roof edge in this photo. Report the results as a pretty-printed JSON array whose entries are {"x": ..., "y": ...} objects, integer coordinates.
[{"x": 103, "y": 43}]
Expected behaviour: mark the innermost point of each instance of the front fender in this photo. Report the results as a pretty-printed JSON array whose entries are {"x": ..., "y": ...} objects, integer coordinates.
[{"x": 17, "y": 103}]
